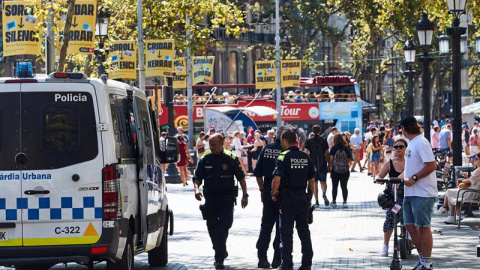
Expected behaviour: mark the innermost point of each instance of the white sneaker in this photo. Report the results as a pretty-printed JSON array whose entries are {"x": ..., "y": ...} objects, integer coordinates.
[
  {"x": 384, "y": 251},
  {"x": 441, "y": 211},
  {"x": 344, "y": 205},
  {"x": 459, "y": 218},
  {"x": 449, "y": 220}
]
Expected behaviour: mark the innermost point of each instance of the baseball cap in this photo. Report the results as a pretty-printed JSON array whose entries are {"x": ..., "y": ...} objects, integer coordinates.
[
  {"x": 476, "y": 122},
  {"x": 464, "y": 126},
  {"x": 448, "y": 120},
  {"x": 300, "y": 130},
  {"x": 408, "y": 121}
]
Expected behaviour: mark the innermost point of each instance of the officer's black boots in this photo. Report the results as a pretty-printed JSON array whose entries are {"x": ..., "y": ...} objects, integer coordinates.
[
  {"x": 219, "y": 265},
  {"x": 263, "y": 263},
  {"x": 284, "y": 267},
  {"x": 277, "y": 260},
  {"x": 305, "y": 268}
]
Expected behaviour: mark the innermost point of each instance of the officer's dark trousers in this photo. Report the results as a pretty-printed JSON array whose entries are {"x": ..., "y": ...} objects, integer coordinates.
[
  {"x": 219, "y": 221},
  {"x": 269, "y": 219},
  {"x": 295, "y": 210}
]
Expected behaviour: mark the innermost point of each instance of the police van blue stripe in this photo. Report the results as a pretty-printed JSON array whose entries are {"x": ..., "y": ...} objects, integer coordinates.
[{"x": 45, "y": 211}]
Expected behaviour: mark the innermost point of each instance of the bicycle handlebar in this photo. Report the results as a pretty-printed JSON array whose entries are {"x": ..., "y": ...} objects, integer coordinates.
[{"x": 392, "y": 180}]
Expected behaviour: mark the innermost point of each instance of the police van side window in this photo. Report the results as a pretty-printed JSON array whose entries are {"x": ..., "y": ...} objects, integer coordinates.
[
  {"x": 122, "y": 127},
  {"x": 61, "y": 129}
]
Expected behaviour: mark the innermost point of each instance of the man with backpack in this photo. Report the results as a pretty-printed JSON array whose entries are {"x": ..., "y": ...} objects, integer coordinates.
[{"x": 317, "y": 148}]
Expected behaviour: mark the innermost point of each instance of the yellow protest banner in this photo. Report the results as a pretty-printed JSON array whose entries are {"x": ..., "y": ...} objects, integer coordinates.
[
  {"x": 20, "y": 32},
  {"x": 82, "y": 31},
  {"x": 202, "y": 69},
  {"x": 265, "y": 75},
  {"x": 123, "y": 55},
  {"x": 290, "y": 73},
  {"x": 180, "y": 78},
  {"x": 159, "y": 57}
]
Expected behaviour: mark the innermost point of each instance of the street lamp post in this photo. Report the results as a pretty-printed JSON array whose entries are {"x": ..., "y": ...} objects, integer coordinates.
[
  {"x": 425, "y": 33},
  {"x": 457, "y": 7},
  {"x": 378, "y": 97},
  {"x": 409, "y": 50},
  {"x": 101, "y": 31}
]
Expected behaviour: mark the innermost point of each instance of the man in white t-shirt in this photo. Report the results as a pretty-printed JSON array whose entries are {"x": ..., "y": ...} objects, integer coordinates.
[
  {"x": 332, "y": 134},
  {"x": 420, "y": 190},
  {"x": 357, "y": 142}
]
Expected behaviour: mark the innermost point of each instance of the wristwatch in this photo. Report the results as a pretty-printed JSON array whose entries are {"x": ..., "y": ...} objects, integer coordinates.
[
  {"x": 414, "y": 177},
  {"x": 245, "y": 195}
]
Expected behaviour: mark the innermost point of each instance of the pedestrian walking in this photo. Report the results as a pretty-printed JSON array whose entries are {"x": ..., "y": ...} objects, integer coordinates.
[
  {"x": 474, "y": 141},
  {"x": 317, "y": 148},
  {"x": 388, "y": 143},
  {"x": 446, "y": 140},
  {"x": 216, "y": 170},
  {"x": 339, "y": 168},
  {"x": 465, "y": 139},
  {"x": 420, "y": 190},
  {"x": 264, "y": 174},
  {"x": 330, "y": 136},
  {"x": 184, "y": 158},
  {"x": 302, "y": 138},
  {"x": 357, "y": 142},
  {"x": 294, "y": 170},
  {"x": 200, "y": 146},
  {"x": 377, "y": 148},
  {"x": 394, "y": 168},
  {"x": 435, "y": 137},
  {"x": 258, "y": 146}
]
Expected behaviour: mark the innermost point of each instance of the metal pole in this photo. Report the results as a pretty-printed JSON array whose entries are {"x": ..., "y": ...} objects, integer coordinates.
[
  {"x": 189, "y": 87},
  {"x": 277, "y": 63},
  {"x": 141, "y": 49},
  {"x": 50, "y": 44},
  {"x": 426, "y": 94},
  {"x": 171, "y": 175},
  {"x": 410, "y": 74},
  {"x": 456, "y": 32}
]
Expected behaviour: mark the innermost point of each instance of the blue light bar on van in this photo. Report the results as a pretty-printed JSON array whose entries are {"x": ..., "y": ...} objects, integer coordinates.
[
  {"x": 24, "y": 70},
  {"x": 65, "y": 75}
]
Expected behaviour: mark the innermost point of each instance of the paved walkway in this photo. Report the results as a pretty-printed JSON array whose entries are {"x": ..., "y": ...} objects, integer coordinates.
[{"x": 342, "y": 238}]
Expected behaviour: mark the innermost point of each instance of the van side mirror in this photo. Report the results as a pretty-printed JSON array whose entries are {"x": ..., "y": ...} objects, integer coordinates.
[{"x": 171, "y": 150}]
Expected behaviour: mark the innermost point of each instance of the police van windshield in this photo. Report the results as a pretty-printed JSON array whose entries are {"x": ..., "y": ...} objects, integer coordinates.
[{"x": 57, "y": 130}]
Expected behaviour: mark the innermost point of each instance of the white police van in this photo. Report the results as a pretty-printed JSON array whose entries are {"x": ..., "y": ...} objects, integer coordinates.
[{"x": 80, "y": 174}]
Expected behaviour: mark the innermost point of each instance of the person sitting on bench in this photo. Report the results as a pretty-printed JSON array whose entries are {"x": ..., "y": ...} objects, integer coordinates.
[{"x": 472, "y": 182}]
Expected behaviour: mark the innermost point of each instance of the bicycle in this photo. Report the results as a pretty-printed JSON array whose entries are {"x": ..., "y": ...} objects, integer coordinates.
[{"x": 402, "y": 243}]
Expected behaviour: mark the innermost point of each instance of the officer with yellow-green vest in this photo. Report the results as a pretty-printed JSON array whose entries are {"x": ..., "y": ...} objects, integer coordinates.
[
  {"x": 294, "y": 172},
  {"x": 217, "y": 169}
]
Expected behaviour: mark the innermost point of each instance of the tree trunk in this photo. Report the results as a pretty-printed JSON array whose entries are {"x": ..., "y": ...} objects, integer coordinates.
[{"x": 66, "y": 35}]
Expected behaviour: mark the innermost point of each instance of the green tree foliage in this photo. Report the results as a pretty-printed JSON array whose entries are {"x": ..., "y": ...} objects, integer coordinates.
[
  {"x": 303, "y": 24},
  {"x": 162, "y": 19}
]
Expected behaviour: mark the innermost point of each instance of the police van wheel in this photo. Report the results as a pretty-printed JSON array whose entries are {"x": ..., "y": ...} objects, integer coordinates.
[
  {"x": 159, "y": 255},
  {"x": 127, "y": 261}
]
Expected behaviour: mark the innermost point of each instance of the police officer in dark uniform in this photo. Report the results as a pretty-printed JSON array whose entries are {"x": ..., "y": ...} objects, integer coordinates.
[
  {"x": 217, "y": 168},
  {"x": 293, "y": 172},
  {"x": 263, "y": 171}
]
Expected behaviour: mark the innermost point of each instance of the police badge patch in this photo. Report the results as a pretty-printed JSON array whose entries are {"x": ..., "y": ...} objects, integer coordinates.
[{"x": 224, "y": 167}]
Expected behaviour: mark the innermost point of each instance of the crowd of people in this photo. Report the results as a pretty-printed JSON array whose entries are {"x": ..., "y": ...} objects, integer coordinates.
[
  {"x": 296, "y": 96},
  {"x": 401, "y": 152}
]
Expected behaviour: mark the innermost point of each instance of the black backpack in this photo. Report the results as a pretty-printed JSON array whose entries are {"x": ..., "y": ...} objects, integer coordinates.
[{"x": 340, "y": 161}]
